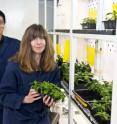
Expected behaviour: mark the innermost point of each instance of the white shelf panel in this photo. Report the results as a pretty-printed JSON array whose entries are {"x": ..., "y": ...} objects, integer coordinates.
[{"x": 88, "y": 36}]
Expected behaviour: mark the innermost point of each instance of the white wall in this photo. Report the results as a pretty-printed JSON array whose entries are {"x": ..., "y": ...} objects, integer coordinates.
[
  {"x": 19, "y": 15},
  {"x": 63, "y": 13}
]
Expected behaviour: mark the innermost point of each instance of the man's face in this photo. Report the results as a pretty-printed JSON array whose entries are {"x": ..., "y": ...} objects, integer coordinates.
[{"x": 1, "y": 25}]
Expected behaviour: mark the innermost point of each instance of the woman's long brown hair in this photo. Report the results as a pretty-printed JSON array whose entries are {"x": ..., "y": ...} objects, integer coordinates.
[{"x": 25, "y": 56}]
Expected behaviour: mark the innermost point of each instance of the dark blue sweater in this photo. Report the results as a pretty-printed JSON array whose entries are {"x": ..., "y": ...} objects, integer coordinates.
[
  {"x": 14, "y": 86},
  {"x": 8, "y": 48}
]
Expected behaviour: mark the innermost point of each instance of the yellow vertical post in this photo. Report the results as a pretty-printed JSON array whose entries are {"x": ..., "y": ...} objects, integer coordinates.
[
  {"x": 66, "y": 55},
  {"x": 90, "y": 55},
  {"x": 58, "y": 49}
]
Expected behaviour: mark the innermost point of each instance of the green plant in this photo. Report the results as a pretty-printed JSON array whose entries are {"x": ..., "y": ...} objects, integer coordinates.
[
  {"x": 82, "y": 72},
  {"x": 83, "y": 77},
  {"x": 82, "y": 67},
  {"x": 92, "y": 84},
  {"x": 50, "y": 89},
  {"x": 103, "y": 115},
  {"x": 111, "y": 16},
  {"x": 100, "y": 108},
  {"x": 105, "y": 89},
  {"x": 59, "y": 60},
  {"x": 89, "y": 20},
  {"x": 103, "y": 106},
  {"x": 65, "y": 72}
]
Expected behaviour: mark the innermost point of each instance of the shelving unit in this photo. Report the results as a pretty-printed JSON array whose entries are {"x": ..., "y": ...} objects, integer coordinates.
[{"x": 73, "y": 36}]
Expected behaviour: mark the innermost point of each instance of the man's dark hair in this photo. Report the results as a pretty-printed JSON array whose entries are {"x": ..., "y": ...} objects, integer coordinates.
[{"x": 3, "y": 16}]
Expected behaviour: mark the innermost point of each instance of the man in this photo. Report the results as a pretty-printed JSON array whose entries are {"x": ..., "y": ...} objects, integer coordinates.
[{"x": 8, "y": 48}]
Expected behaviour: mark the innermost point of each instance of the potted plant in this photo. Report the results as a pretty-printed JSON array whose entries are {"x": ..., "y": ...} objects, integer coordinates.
[
  {"x": 110, "y": 22},
  {"x": 88, "y": 23},
  {"x": 82, "y": 74},
  {"x": 48, "y": 88}
]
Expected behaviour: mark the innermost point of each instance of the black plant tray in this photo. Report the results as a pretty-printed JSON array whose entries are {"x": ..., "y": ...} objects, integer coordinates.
[
  {"x": 88, "y": 26},
  {"x": 87, "y": 95},
  {"x": 110, "y": 24},
  {"x": 94, "y": 31},
  {"x": 84, "y": 96},
  {"x": 100, "y": 121},
  {"x": 62, "y": 30},
  {"x": 78, "y": 86},
  {"x": 89, "y": 31}
]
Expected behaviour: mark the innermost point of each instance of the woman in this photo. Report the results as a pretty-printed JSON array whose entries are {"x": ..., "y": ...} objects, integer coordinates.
[
  {"x": 35, "y": 61},
  {"x": 8, "y": 47}
]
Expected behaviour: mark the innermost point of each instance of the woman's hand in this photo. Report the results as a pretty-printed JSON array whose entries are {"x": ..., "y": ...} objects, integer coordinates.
[
  {"x": 48, "y": 101},
  {"x": 31, "y": 97}
]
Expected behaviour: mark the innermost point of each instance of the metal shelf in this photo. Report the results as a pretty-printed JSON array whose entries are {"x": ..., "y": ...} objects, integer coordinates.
[{"x": 73, "y": 36}]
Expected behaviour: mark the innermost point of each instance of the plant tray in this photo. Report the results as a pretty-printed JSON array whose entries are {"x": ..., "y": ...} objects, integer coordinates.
[
  {"x": 94, "y": 31},
  {"x": 84, "y": 97},
  {"x": 78, "y": 86},
  {"x": 111, "y": 24},
  {"x": 88, "y": 26}
]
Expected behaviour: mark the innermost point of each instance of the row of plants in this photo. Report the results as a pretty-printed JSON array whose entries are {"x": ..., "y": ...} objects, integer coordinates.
[
  {"x": 83, "y": 72},
  {"x": 100, "y": 106},
  {"x": 109, "y": 23}
]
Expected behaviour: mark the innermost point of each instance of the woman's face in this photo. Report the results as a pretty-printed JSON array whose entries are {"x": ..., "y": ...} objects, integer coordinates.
[
  {"x": 38, "y": 45},
  {"x": 1, "y": 25}
]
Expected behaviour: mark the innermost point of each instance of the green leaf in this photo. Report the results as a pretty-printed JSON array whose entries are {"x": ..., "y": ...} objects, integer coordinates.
[{"x": 48, "y": 88}]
